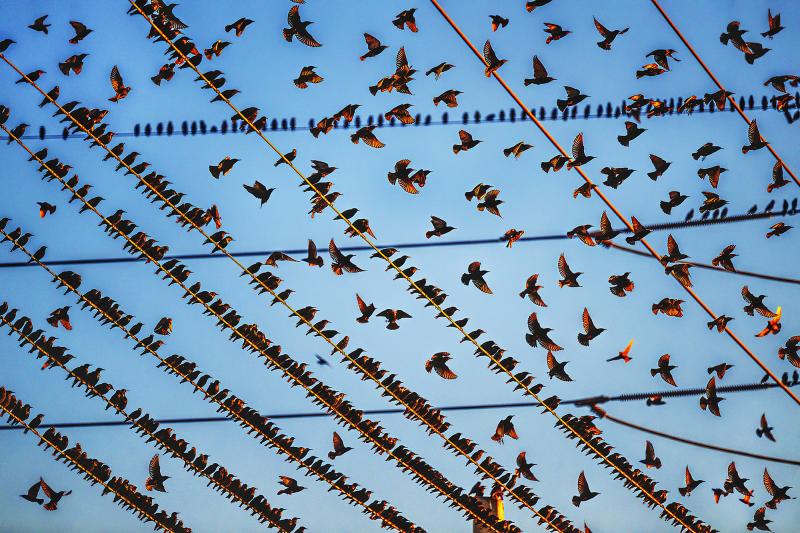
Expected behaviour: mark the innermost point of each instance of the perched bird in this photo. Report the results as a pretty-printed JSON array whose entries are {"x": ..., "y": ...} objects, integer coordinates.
[
  {"x": 341, "y": 263},
  {"x": 299, "y": 29},
  {"x": 406, "y": 19},
  {"x": 365, "y": 310},
  {"x": 532, "y": 290},
  {"x": 591, "y": 331},
  {"x": 754, "y": 139},
  {"x": 120, "y": 89},
  {"x": 574, "y": 97},
  {"x": 291, "y": 486},
  {"x": 338, "y": 447},
  {"x": 365, "y": 134},
  {"x": 55, "y": 496},
  {"x": 257, "y": 189},
  {"x": 46, "y": 209},
  {"x": 607, "y": 35},
  {"x": 756, "y": 303},
  {"x": 719, "y": 369},
  {"x": 664, "y": 370},
  {"x": 675, "y": 199},
  {"x": 691, "y": 484},
  {"x": 505, "y": 428},
  {"x": 156, "y": 479},
  {"x": 223, "y": 167},
  {"x": 440, "y": 228},
  {"x": 776, "y": 230},
  {"x": 524, "y": 468},
  {"x": 624, "y": 355},
  {"x": 40, "y": 25},
  {"x": 556, "y": 369},
  {"x": 32, "y": 494},
  {"x": 632, "y": 130},
  {"x": 374, "y": 47},
  {"x": 568, "y": 277},
  {"x": 81, "y": 31},
  {"x": 540, "y": 76},
  {"x": 5, "y": 43},
  {"x": 517, "y": 149},
  {"x": 467, "y": 142},
  {"x": 764, "y": 429},
  {"x": 579, "y": 156},
  {"x": 492, "y": 63},
  {"x": 539, "y": 335},
  {"x": 474, "y": 275},
  {"x": 312, "y": 258},
  {"x": 584, "y": 492},
  {"x": 774, "y": 25},
  {"x": 760, "y": 520},
  {"x": 554, "y": 32},
  {"x": 438, "y": 363},
  {"x": 650, "y": 460},
  {"x": 392, "y": 316}
]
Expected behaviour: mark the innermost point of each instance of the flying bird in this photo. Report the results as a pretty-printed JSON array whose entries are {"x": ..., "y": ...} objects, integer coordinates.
[
  {"x": 46, "y": 209},
  {"x": 312, "y": 258},
  {"x": 675, "y": 199},
  {"x": 259, "y": 190},
  {"x": 584, "y": 492},
  {"x": 607, "y": 35},
  {"x": 338, "y": 447},
  {"x": 223, "y": 167},
  {"x": 778, "y": 493},
  {"x": 73, "y": 63},
  {"x": 81, "y": 31},
  {"x": 290, "y": 486},
  {"x": 498, "y": 22},
  {"x": 539, "y": 335},
  {"x": 517, "y": 149},
  {"x": 532, "y": 290},
  {"x": 624, "y": 355},
  {"x": 449, "y": 97},
  {"x": 392, "y": 316},
  {"x": 574, "y": 97},
  {"x": 438, "y": 363},
  {"x": 306, "y": 76},
  {"x": 774, "y": 25},
  {"x": 669, "y": 307},
  {"x": 650, "y": 460},
  {"x": 764, "y": 429},
  {"x": 341, "y": 263},
  {"x": 365, "y": 134},
  {"x": 691, "y": 484},
  {"x": 33, "y": 493},
  {"x": 776, "y": 230},
  {"x": 721, "y": 322},
  {"x": 156, "y": 479},
  {"x": 540, "y": 76},
  {"x": 664, "y": 370},
  {"x": 474, "y": 275},
  {"x": 492, "y": 63},
  {"x": 239, "y": 26},
  {"x": 60, "y": 317},
  {"x": 299, "y": 28},
  {"x": 568, "y": 277},
  {"x": 591, "y": 331},
  {"x": 719, "y": 369},
  {"x": 710, "y": 401},
  {"x": 554, "y": 32},
  {"x": 54, "y": 495},
  {"x": 662, "y": 57},
  {"x": 524, "y": 468},
  {"x": 365, "y": 310},
  {"x": 755, "y": 303},
  {"x": 490, "y": 202},
  {"x": 440, "y": 228},
  {"x": 754, "y": 139},
  {"x": 556, "y": 369},
  {"x": 579, "y": 156},
  {"x": 760, "y": 520},
  {"x": 40, "y": 25},
  {"x": 632, "y": 130},
  {"x": 406, "y": 19},
  {"x": 120, "y": 89},
  {"x": 467, "y": 142},
  {"x": 374, "y": 47},
  {"x": 505, "y": 428}
]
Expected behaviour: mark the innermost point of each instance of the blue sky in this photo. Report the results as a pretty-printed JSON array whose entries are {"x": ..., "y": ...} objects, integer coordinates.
[{"x": 262, "y": 65}]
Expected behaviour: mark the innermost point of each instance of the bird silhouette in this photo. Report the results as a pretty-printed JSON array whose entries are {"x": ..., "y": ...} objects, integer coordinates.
[
  {"x": 764, "y": 429},
  {"x": 539, "y": 335},
  {"x": 607, "y": 35},
  {"x": 299, "y": 29},
  {"x": 475, "y": 275},
  {"x": 664, "y": 370},
  {"x": 40, "y": 25},
  {"x": 691, "y": 484},
  {"x": 53, "y": 495},
  {"x": 650, "y": 460},
  {"x": 438, "y": 363},
  {"x": 338, "y": 447},
  {"x": 33, "y": 493},
  {"x": 290, "y": 486},
  {"x": 374, "y": 47},
  {"x": 584, "y": 492},
  {"x": 540, "y": 76},
  {"x": 624, "y": 355},
  {"x": 554, "y": 32},
  {"x": 156, "y": 479},
  {"x": 590, "y": 330},
  {"x": 556, "y": 369},
  {"x": 120, "y": 89},
  {"x": 505, "y": 428},
  {"x": 365, "y": 310}
]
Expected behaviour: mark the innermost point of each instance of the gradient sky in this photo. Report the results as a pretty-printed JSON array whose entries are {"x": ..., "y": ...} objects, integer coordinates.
[{"x": 262, "y": 65}]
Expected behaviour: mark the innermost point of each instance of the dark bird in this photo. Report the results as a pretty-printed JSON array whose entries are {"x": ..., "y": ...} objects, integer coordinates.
[
  {"x": 492, "y": 63},
  {"x": 650, "y": 69},
  {"x": 607, "y": 35},
  {"x": 239, "y": 26},
  {"x": 374, "y": 47},
  {"x": 156, "y": 479},
  {"x": 365, "y": 134},
  {"x": 755, "y": 142},
  {"x": 710, "y": 400},
  {"x": 338, "y": 447},
  {"x": 291, "y": 486},
  {"x": 712, "y": 202},
  {"x": 223, "y": 167},
  {"x": 5, "y": 43},
  {"x": 478, "y": 192},
  {"x": 365, "y": 310},
  {"x": 568, "y": 277},
  {"x": 392, "y": 316},
  {"x": 664, "y": 370},
  {"x": 511, "y": 236},
  {"x": 449, "y": 97},
  {"x": 632, "y": 130},
  {"x": 299, "y": 28},
  {"x": 756, "y": 303},
  {"x": 554, "y": 32},
  {"x": 517, "y": 149},
  {"x": 579, "y": 156},
  {"x": 778, "y": 494},
  {"x": 530, "y": 5},
  {"x": 401, "y": 113},
  {"x": 321, "y": 361},
  {"x": 406, "y": 19},
  {"x": 17, "y": 132},
  {"x": 719, "y": 369},
  {"x": 490, "y": 202},
  {"x": 725, "y": 258},
  {"x": 532, "y": 290},
  {"x": 81, "y": 31},
  {"x": 32, "y": 494},
  {"x": 437, "y": 71},
  {"x": 539, "y": 335},
  {"x": 540, "y": 76},
  {"x": 55, "y": 496},
  {"x": 774, "y": 25},
  {"x": 721, "y": 322},
  {"x": 120, "y": 89},
  {"x": 574, "y": 97},
  {"x": 615, "y": 176},
  {"x": 341, "y": 263},
  {"x": 639, "y": 232},
  {"x": 313, "y": 259},
  {"x": 591, "y": 331},
  {"x": 440, "y": 228},
  {"x": 258, "y": 190},
  {"x": 60, "y": 316},
  {"x": 438, "y": 363},
  {"x": 505, "y": 428},
  {"x": 675, "y": 199},
  {"x": 39, "y": 25},
  {"x": 607, "y": 232},
  {"x": 691, "y": 484},
  {"x": 584, "y": 492},
  {"x": 650, "y": 460},
  {"x": 556, "y": 369},
  {"x": 524, "y": 468},
  {"x": 778, "y": 180},
  {"x": 73, "y": 63},
  {"x": 776, "y": 230},
  {"x": 474, "y": 275},
  {"x": 289, "y": 156},
  {"x": 46, "y": 209},
  {"x": 498, "y": 22},
  {"x": 467, "y": 142},
  {"x": 756, "y": 51},
  {"x": 669, "y": 307},
  {"x": 164, "y": 326},
  {"x": 306, "y": 76},
  {"x": 764, "y": 429},
  {"x": 32, "y": 76},
  {"x": 760, "y": 520},
  {"x": 662, "y": 57},
  {"x": 735, "y": 35},
  {"x": 624, "y": 355},
  {"x": 706, "y": 150}
]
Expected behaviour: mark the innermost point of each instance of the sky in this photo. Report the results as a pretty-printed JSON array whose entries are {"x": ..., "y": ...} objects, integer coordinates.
[{"x": 261, "y": 64}]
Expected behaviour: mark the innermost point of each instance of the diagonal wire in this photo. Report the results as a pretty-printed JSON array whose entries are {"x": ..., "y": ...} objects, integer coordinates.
[{"x": 612, "y": 207}]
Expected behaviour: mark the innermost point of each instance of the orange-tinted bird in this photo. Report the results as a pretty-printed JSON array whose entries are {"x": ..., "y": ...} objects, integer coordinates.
[
  {"x": 365, "y": 134},
  {"x": 555, "y": 369},
  {"x": 365, "y": 309},
  {"x": 650, "y": 69},
  {"x": 338, "y": 447},
  {"x": 299, "y": 28},
  {"x": 590, "y": 330},
  {"x": 754, "y": 140},
  {"x": 584, "y": 492},
  {"x": 664, "y": 370},
  {"x": 290, "y": 486},
  {"x": 406, "y": 18},
  {"x": 392, "y": 316},
  {"x": 156, "y": 479},
  {"x": 554, "y": 32},
  {"x": 54, "y": 495},
  {"x": 438, "y": 364},
  {"x": 239, "y": 26},
  {"x": 341, "y": 263},
  {"x": 532, "y": 290},
  {"x": 756, "y": 303},
  {"x": 675, "y": 199},
  {"x": 81, "y": 31},
  {"x": 492, "y": 62},
  {"x": 774, "y": 25},
  {"x": 773, "y": 326},
  {"x": 568, "y": 277},
  {"x": 669, "y": 307},
  {"x": 164, "y": 326},
  {"x": 624, "y": 355},
  {"x": 662, "y": 57},
  {"x": 764, "y": 429},
  {"x": 374, "y": 47},
  {"x": 691, "y": 484},
  {"x": 720, "y": 370},
  {"x": 721, "y": 322},
  {"x": 60, "y": 316},
  {"x": 491, "y": 203},
  {"x": 511, "y": 236},
  {"x": 400, "y": 112},
  {"x": 778, "y": 180},
  {"x": 778, "y": 493},
  {"x": 710, "y": 401},
  {"x": 475, "y": 275},
  {"x": 712, "y": 202},
  {"x": 117, "y": 83},
  {"x": 46, "y": 209},
  {"x": 574, "y": 97},
  {"x": 540, "y": 76},
  {"x": 607, "y": 35},
  {"x": 223, "y": 167},
  {"x": 306, "y": 76},
  {"x": 650, "y": 460},
  {"x": 313, "y": 259},
  {"x": 467, "y": 142},
  {"x": 505, "y": 428},
  {"x": 776, "y": 230},
  {"x": 620, "y": 284},
  {"x": 440, "y": 228},
  {"x": 73, "y": 63},
  {"x": 498, "y": 22},
  {"x": 449, "y": 98},
  {"x": 524, "y": 468},
  {"x": 579, "y": 156},
  {"x": 539, "y": 335}
]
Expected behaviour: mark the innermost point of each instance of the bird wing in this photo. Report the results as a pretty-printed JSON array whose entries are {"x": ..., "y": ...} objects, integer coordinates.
[
  {"x": 401, "y": 61},
  {"x": 649, "y": 451},
  {"x": 464, "y": 136},
  {"x": 338, "y": 443},
  {"x": 294, "y": 17},
  {"x": 563, "y": 267},
  {"x": 583, "y": 485},
  {"x": 538, "y": 68},
  {"x": 444, "y": 372},
  {"x": 672, "y": 246},
  {"x": 312, "y": 249},
  {"x": 474, "y": 266},
  {"x": 154, "y": 468},
  {"x": 370, "y": 139},
  {"x": 372, "y": 42},
  {"x": 551, "y": 361},
  {"x": 600, "y": 28},
  {"x": 689, "y": 478},
  {"x": 572, "y": 92},
  {"x": 488, "y": 53},
  {"x": 533, "y": 322},
  {"x": 79, "y": 28},
  {"x": 552, "y": 27},
  {"x": 116, "y": 79},
  {"x": 288, "y": 482},
  {"x": 637, "y": 226},
  {"x": 747, "y": 295},
  {"x": 577, "y": 147},
  {"x": 753, "y": 136},
  {"x": 769, "y": 484},
  {"x": 663, "y": 361},
  {"x": 438, "y": 223},
  {"x": 521, "y": 462},
  {"x": 336, "y": 255},
  {"x": 605, "y": 224},
  {"x": 49, "y": 492},
  {"x": 399, "y": 313},
  {"x": 588, "y": 325},
  {"x": 362, "y": 306}
]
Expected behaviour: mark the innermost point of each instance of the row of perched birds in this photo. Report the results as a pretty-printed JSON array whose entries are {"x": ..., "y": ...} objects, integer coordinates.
[
  {"x": 126, "y": 494},
  {"x": 163, "y": 437}
]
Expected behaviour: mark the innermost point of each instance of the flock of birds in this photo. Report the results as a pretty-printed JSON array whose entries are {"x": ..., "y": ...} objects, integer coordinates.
[{"x": 411, "y": 181}]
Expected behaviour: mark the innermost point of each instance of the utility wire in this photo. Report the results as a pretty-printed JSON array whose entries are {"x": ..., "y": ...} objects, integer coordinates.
[{"x": 427, "y": 244}]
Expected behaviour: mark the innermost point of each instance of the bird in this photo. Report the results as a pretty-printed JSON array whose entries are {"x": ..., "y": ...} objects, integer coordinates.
[
  {"x": 299, "y": 29},
  {"x": 591, "y": 331},
  {"x": 664, "y": 370},
  {"x": 401, "y": 113},
  {"x": 530, "y": 5},
  {"x": 539, "y": 335},
  {"x": 306, "y": 76},
  {"x": 32, "y": 494},
  {"x": 755, "y": 303},
  {"x": 365, "y": 310},
  {"x": 607, "y": 35},
  {"x": 579, "y": 156},
  {"x": 632, "y": 130},
  {"x": 524, "y": 468},
  {"x": 290, "y": 484},
  {"x": 624, "y": 355},
  {"x": 719, "y": 369},
  {"x": 760, "y": 521},
  {"x": 778, "y": 180},
  {"x": 40, "y": 25},
  {"x": 584, "y": 492},
  {"x": 650, "y": 69},
  {"x": 492, "y": 62},
  {"x": 778, "y": 494},
  {"x": 289, "y": 156},
  {"x": 321, "y": 361},
  {"x": 156, "y": 480},
  {"x": 5, "y": 43},
  {"x": 540, "y": 76},
  {"x": 259, "y": 190},
  {"x": 706, "y": 150},
  {"x": 477, "y": 192},
  {"x": 691, "y": 484},
  {"x": 73, "y": 63},
  {"x": 757, "y": 50},
  {"x": 712, "y": 202},
  {"x": 517, "y": 149},
  {"x": 239, "y": 26},
  {"x": 574, "y": 97},
  {"x": 374, "y": 47},
  {"x": 449, "y": 97},
  {"x": 81, "y": 31},
  {"x": 120, "y": 89},
  {"x": 164, "y": 326},
  {"x": 734, "y": 34},
  {"x": 650, "y": 460},
  {"x": 511, "y": 236},
  {"x": 392, "y": 316},
  {"x": 46, "y": 209},
  {"x": 338, "y": 447},
  {"x": 554, "y": 32},
  {"x": 639, "y": 232},
  {"x": 662, "y": 57},
  {"x": 312, "y": 258},
  {"x": 55, "y": 496},
  {"x": 505, "y": 428},
  {"x": 754, "y": 139},
  {"x": 440, "y": 228},
  {"x": 669, "y": 307},
  {"x": 474, "y": 275},
  {"x": 556, "y": 369},
  {"x": 341, "y": 263},
  {"x": 467, "y": 142},
  {"x": 498, "y": 22},
  {"x": 721, "y": 322},
  {"x": 406, "y": 19},
  {"x": 774, "y": 25},
  {"x": 438, "y": 363},
  {"x": 675, "y": 199},
  {"x": 532, "y": 290},
  {"x": 568, "y": 277},
  {"x": 490, "y": 202},
  {"x": 776, "y": 230},
  {"x": 223, "y": 167},
  {"x": 365, "y": 134},
  {"x": 60, "y": 316},
  {"x": 764, "y": 429}
]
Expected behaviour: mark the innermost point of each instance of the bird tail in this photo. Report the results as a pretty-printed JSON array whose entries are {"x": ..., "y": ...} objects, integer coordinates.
[
  {"x": 655, "y": 312},
  {"x": 631, "y": 240},
  {"x": 604, "y": 45},
  {"x": 623, "y": 140},
  {"x": 583, "y": 339},
  {"x": 214, "y": 171},
  {"x": 562, "y": 104},
  {"x": 666, "y": 207},
  {"x": 507, "y": 151},
  {"x": 703, "y": 403},
  {"x": 653, "y": 372},
  {"x": 50, "y": 506},
  {"x": 530, "y": 339},
  {"x": 373, "y": 89},
  {"x": 745, "y": 149},
  {"x": 429, "y": 234},
  {"x": 695, "y": 156},
  {"x": 546, "y": 166},
  {"x": 287, "y": 34},
  {"x": 528, "y": 81},
  {"x": 760, "y": 432},
  {"x": 576, "y": 501},
  {"x": 682, "y": 491},
  {"x": 456, "y": 148}
]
